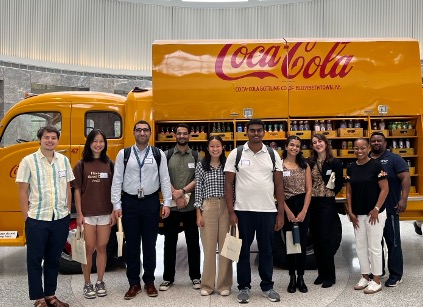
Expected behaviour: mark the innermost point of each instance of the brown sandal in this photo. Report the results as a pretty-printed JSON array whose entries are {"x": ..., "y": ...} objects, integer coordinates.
[
  {"x": 55, "y": 302},
  {"x": 40, "y": 303}
]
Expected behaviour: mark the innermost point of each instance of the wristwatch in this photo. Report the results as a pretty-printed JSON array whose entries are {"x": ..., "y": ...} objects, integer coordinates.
[{"x": 377, "y": 209}]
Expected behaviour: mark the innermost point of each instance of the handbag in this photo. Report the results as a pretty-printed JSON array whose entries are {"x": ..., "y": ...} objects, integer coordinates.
[
  {"x": 232, "y": 245},
  {"x": 79, "y": 252},
  {"x": 187, "y": 197},
  {"x": 291, "y": 248}
]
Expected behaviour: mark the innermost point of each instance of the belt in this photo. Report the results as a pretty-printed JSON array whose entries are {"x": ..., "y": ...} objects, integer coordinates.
[{"x": 136, "y": 196}]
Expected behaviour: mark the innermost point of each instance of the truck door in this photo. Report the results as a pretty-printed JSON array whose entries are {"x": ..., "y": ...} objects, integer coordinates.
[{"x": 18, "y": 138}]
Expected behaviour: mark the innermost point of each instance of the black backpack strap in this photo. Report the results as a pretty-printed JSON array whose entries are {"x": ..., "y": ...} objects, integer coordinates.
[
  {"x": 238, "y": 156},
  {"x": 195, "y": 155},
  {"x": 157, "y": 156},
  {"x": 126, "y": 155},
  {"x": 82, "y": 172},
  {"x": 272, "y": 157},
  {"x": 112, "y": 167},
  {"x": 169, "y": 154}
]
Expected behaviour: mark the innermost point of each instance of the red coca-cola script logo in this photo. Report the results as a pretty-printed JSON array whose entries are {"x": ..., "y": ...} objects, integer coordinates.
[
  {"x": 13, "y": 171},
  {"x": 260, "y": 61}
]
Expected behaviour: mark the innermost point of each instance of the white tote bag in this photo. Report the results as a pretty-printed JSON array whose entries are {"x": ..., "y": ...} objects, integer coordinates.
[
  {"x": 232, "y": 245},
  {"x": 79, "y": 252}
]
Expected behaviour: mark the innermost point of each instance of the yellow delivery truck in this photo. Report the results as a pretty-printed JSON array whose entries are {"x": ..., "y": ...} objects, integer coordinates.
[{"x": 344, "y": 88}]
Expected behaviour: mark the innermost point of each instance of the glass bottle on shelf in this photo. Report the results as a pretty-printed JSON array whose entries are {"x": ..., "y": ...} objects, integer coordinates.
[
  {"x": 294, "y": 126},
  {"x": 214, "y": 128},
  {"x": 322, "y": 125},
  {"x": 401, "y": 143},
  {"x": 218, "y": 128},
  {"x": 343, "y": 124},
  {"x": 394, "y": 144},
  {"x": 316, "y": 125},
  {"x": 192, "y": 130},
  {"x": 306, "y": 125},
  {"x": 407, "y": 143},
  {"x": 301, "y": 125},
  {"x": 329, "y": 126},
  {"x": 357, "y": 124},
  {"x": 350, "y": 124},
  {"x": 382, "y": 125},
  {"x": 239, "y": 127},
  {"x": 202, "y": 129},
  {"x": 374, "y": 126},
  {"x": 197, "y": 129}
]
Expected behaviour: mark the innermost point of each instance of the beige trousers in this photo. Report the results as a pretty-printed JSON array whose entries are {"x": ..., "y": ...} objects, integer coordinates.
[{"x": 216, "y": 225}]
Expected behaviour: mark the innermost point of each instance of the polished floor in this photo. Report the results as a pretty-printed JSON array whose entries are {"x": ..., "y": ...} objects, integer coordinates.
[{"x": 14, "y": 289}]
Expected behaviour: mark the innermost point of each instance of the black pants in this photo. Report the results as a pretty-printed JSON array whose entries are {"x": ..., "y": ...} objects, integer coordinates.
[
  {"x": 45, "y": 241},
  {"x": 297, "y": 261},
  {"x": 325, "y": 228},
  {"x": 392, "y": 236},
  {"x": 171, "y": 231},
  {"x": 140, "y": 221}
]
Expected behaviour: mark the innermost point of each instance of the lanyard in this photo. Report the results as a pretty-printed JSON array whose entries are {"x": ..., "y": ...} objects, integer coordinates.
[{"x": 141, "y": 164}]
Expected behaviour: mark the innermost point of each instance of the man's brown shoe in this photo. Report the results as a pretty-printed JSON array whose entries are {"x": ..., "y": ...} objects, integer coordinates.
[
  {"x": 150, "y": 289},
  {"x": 132, "y": 292}
]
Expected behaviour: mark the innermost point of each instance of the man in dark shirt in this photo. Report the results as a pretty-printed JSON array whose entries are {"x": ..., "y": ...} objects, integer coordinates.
[{"x": 396, "y": 203}]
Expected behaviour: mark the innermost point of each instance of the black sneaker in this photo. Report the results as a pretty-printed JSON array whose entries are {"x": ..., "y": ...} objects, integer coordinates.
[
  {"x": 393, "y": 282},
  {"x": 417, "y": 228}
]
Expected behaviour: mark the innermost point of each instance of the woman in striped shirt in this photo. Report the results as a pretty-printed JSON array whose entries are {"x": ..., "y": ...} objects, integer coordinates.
[{"x": 212, "y": 217}]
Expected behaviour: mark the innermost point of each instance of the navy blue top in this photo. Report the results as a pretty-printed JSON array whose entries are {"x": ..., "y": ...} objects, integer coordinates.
[{"x": 393, "y": 165}]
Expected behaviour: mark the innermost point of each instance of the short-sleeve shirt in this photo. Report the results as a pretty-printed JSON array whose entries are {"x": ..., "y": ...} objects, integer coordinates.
[
  {"x": 393, "y": 165},
  {"x": 254, "y": 188},
  {"x": 48, "y": 185},
  {"x": 95, "y": 185},
  {"x": 364, "y": 180},
  {"x": 181, "y": 172}
]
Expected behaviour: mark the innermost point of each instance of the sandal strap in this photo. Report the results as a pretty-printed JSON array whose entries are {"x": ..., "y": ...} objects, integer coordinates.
[{"x": 55, "y": 302}]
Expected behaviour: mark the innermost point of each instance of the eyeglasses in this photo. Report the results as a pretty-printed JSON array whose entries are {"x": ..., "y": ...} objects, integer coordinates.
[
  {"x": 139, "y": 130},
  {"x": 359, "y": 148}
]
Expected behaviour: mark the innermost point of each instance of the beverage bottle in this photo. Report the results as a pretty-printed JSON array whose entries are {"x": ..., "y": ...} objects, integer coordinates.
[
  {"x": 239, "y": 127},
  {"x": 407, "y": 143},
  {"x": 394, "y": 144},
  {"x": 344, "y": 145},
  {"x": 295, "y": 233},
  {"x": 301, "y": 126},
  {"x": 322, "y": 125},
  {"x": 294, "y": 126},
  {"x": 343, "y": 124},
  {"x": 214, "y": 127},
  {"x": 382, "y": 125},
  {"x": 374, "y": 126},
  {"x": 316, "y": 126},
  {"x": 306, "y": 125},
  {"x": 329, "y": 125},
  {"x": 350, "y": 124},
  {"x": 357, "y": 124},
  {"x": 401, "y": 143}
]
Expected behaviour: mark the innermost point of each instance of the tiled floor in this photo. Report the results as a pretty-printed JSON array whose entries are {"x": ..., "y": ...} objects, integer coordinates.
[{"x": 14, "y": 290}]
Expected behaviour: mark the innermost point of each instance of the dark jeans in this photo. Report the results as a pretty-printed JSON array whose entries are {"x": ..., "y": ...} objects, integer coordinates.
[
  {"x": 140, "y": 221},
  {"x": 324, "y": 227},
  {"x": 297, "y": 261},
  {"x": 45, "y": 241},
  {"x": 262, "y": 224},
  {"x": 171, "y": 231},
  {"x": 392, "y": 236}
]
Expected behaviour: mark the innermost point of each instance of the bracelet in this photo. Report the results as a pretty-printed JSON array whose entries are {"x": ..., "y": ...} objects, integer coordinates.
[
  {"x": 377, "y": 209},
  {"x": 183, "y": 191}
]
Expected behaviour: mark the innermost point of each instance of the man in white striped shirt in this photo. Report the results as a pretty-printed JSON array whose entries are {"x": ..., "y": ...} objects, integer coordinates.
[{"x": 45, "y": 197}]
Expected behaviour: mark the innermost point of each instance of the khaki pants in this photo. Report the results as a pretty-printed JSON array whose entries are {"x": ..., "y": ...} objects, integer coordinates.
[{"x": 216, "y": 225}]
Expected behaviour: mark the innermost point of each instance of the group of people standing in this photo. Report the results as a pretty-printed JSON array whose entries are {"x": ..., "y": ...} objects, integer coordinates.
[{"x": 210, "y": 194}]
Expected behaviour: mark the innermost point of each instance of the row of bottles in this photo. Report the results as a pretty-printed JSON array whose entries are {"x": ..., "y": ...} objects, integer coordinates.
[
  {"x": 269, "y": 127},
  {"x": 401, "y": 143}
]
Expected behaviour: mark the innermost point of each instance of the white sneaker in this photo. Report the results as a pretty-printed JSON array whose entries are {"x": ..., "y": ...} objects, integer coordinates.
[
  {"x": 362, "y": 284},
  {"x": 225, "y": 292},
  {"x": 373, "y": 287},
  {"x": 204, "y": 293}
]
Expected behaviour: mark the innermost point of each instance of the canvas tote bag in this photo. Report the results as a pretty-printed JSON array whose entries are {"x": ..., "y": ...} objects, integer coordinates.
[
  {"x": 79, "y": 252},
  {"x": 232, "y": 245}
]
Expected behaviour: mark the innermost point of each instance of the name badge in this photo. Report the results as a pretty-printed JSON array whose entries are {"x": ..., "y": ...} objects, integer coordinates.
[
  {"x": 191, "y": 165},
  {"x": 148, "y": 161},
  {"x": 104, "y": 175},
  {"x": 62, "y": 174},
  {"x": 328, "y": 172},
  {"x": 286, "y": 173},
  {"x": 244, "y": 162}
]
